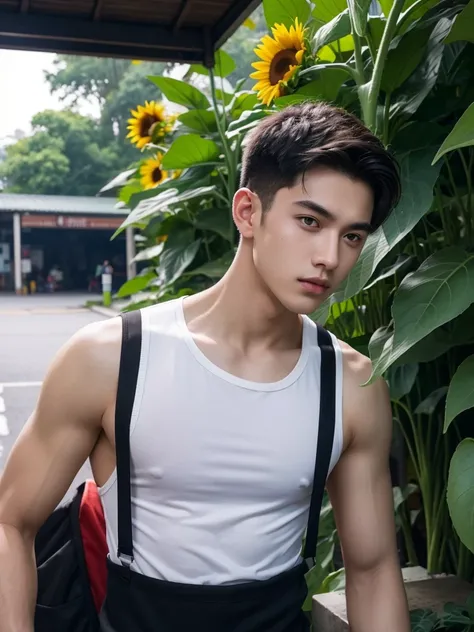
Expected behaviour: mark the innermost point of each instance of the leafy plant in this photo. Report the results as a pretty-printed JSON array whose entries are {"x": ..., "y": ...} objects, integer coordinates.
[{"x": 408, "y": 73}]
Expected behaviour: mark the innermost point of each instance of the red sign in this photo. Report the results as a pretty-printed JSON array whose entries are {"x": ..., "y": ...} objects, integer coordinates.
[{"x": 70, "y": 221}]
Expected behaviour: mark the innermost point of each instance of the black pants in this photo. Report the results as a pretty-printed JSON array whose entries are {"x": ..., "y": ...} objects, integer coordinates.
[{"x": 136, "y": 603}]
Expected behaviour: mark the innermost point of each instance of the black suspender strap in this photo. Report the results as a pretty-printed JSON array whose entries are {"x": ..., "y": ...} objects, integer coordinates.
[
  {"x": 126, "y": 388},
  {"x": 327, "y": 422}
]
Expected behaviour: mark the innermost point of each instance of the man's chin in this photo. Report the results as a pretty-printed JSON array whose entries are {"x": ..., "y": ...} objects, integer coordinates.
[{"x": 306, "y": 305}]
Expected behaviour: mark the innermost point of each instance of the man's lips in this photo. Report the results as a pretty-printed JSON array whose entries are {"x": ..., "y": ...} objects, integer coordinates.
[{"x": 314, "y": 286}]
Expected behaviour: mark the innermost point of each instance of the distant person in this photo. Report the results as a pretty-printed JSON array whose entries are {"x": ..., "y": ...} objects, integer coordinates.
[
  {"x": 226, "y": 419},
  {"x": 55, "y": 278}
]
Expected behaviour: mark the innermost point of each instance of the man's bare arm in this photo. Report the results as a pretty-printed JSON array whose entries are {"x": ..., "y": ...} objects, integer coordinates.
[
  {"x": 52, "y": 447},
  {"x": 361, "y": 494}
]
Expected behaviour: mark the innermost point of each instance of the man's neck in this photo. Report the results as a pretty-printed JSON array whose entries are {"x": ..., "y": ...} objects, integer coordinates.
[{"x": 241, "y": 310}]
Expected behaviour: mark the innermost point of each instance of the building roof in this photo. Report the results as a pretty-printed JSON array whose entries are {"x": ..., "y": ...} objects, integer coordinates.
[
  {"x": 59, "y": 204},
  {"x": 160, "y": 30}
]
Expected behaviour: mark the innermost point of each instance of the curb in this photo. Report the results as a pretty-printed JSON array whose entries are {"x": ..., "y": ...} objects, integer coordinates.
[{"x": 104, "y": 311}]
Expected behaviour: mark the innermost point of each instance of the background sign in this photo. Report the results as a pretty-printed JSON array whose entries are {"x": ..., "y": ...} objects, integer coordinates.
[{"x": 70, "y": 221}]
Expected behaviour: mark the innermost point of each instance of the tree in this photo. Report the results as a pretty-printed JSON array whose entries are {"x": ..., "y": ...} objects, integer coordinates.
[
  {"x": 115, "y": 85},
  {"x": 241, "y": 46},
  {"x": 64, "y": 155}
]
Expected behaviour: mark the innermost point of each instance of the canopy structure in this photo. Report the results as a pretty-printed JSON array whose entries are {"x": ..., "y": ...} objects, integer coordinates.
[{"x": 158, "y": 30}]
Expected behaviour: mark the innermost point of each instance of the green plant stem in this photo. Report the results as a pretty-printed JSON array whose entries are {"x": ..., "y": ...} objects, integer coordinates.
[
  {"x": 225, "y": 145},
  {"x": 457, "y": 197},
  {"x": 386, "y": 120},
  {"x": 376, "y": 80},
  {"x": 407, "y": 536},
  {"x": 358, "y": 57},
  {"x": 370, "y": 44},
  {"x": 469, "y": 194}
]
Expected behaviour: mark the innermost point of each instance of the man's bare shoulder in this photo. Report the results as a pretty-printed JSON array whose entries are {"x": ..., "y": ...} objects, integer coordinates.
[
  {"x": 366, "y": 407},
  {"x": 86, "y": 367},
  {"x": 99, "y": 341}
]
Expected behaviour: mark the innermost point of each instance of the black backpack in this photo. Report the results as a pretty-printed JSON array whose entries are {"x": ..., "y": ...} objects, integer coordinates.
[{"x": 71, "y": 548}]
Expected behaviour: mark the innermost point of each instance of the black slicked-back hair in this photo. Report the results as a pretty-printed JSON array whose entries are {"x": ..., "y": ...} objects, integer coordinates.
[{"x": 286, "y": 145}]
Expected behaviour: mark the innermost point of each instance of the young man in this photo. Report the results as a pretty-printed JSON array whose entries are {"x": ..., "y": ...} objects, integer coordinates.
[{"x": 225, "y": 419}]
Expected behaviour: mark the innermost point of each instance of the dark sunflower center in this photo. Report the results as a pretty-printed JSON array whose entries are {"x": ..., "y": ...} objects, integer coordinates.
[
  {"x": 146, "y": 124},
  {"x": 156, "y": 174},
  {"x": 281, "y": 64}
]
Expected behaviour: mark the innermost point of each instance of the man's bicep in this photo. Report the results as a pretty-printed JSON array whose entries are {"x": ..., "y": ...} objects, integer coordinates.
[
  {"x": 360, "y": 487},
  {"x": 54, "y": 443}
]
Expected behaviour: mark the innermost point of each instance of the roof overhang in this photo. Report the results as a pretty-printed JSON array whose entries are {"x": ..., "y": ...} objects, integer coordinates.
[
  {"x": 60, "y": 205},
  {"x": 158, "y": 30}
]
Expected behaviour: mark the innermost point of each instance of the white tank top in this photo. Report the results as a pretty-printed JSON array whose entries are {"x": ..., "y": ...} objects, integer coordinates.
[{"x": 221, "y": 467}]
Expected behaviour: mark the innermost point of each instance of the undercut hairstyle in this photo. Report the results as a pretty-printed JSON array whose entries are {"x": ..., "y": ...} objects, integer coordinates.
[{"x": 286, "y": 145}]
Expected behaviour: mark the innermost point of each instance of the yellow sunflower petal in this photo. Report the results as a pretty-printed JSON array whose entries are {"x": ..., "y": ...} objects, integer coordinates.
[
  {"x": 299, "y": 56},
  {"x": 260, "y": 74},
  {"x": 264, "y": 54},
  {"x": 261, "y": 65}
]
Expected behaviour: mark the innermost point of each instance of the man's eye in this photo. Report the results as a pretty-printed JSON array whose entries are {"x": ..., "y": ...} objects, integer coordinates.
[
  {"x": 310, "y": 222},
  {"x": 353, "y": 238}
]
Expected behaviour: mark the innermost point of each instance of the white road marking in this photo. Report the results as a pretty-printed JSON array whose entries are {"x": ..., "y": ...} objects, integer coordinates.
[
  {"x": 19, "y": 385},
  {"x": 4, "y": 429}
]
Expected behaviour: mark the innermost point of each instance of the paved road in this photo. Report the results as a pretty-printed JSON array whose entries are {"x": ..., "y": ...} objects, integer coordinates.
[{"x": 32, "y": 329}]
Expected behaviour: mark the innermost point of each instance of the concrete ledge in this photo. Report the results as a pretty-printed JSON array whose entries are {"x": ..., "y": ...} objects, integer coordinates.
[
  {"x": 423, "y": 591},
  {"x": 104, "y": 311}
]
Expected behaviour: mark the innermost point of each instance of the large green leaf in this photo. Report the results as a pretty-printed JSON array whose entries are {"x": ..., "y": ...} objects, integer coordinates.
[
  {"x": 462, "y": 134},
  {"x": 461, "y": 392},
  {"x": 423, "y": 620},
  {"x": 414, "y": 91},
  {"x": 160, "y": 203},
  {"x": 181, "y": 92},
  {"x": 462, "y": 29},
  {"x": 413, "y": 11},
  {"x": 215, "y": 219},
  {"x": 320, "y": 570},
  {"x": 203, "y": 121},
  {"x": 150, "y": 253},
  {"x": 428, "y": 405},
  {"x": 189, "y": 150},
  {"x": 118, "y": 181},
  {"x": 402, "y": 261},
  {"x": 243, "y": 101},
  {"x": 214, "y": 269},
  {"x": 324, "y": 87},
  {"x": 461, "y": 492},
  {"x": 401, "y": 380},
  {"x": 418, "y": 179},
  {"x": 441, "y": 289},
  {"x": 135, "y": 285},
  {"x": 359, "y": 10},
  {"x": 326, "y": 10},
  {"x": 224, "y": 65},
  {"x": 175, "y": 260},
  {"x": 404, "y": 58},
  {"x": 334, "y": 582},
  {"x": 338, "y": 27},
  {"x": 285, "y": 11}
]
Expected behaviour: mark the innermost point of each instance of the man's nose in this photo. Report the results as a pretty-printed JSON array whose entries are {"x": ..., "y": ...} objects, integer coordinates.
[{"x": 326, "y": 252}]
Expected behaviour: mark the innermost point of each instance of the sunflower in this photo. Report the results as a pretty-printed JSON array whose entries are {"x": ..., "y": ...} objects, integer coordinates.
[
  {"x": 148, "y": 121},
  {"x": 281, "y": 56},
  {"x": 151, "y": 172}
]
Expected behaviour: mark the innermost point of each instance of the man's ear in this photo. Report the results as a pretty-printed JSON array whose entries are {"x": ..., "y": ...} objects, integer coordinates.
[{"x": 246, "y": 209}]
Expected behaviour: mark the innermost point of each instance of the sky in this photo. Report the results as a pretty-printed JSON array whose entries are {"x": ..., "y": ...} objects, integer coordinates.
[{"x": 23, "y": 89}]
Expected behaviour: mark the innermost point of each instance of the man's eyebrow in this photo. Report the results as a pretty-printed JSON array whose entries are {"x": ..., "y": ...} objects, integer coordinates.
[{"x": 317, "y": 208}]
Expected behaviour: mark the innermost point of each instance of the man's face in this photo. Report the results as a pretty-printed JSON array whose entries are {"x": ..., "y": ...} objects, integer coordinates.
[{"x": 306, "y": 244}]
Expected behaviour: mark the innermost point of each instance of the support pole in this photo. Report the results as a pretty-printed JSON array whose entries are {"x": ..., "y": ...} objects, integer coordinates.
[
  {"x": 17, "y": 252},
  {"x": 130, "y": 253}
]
